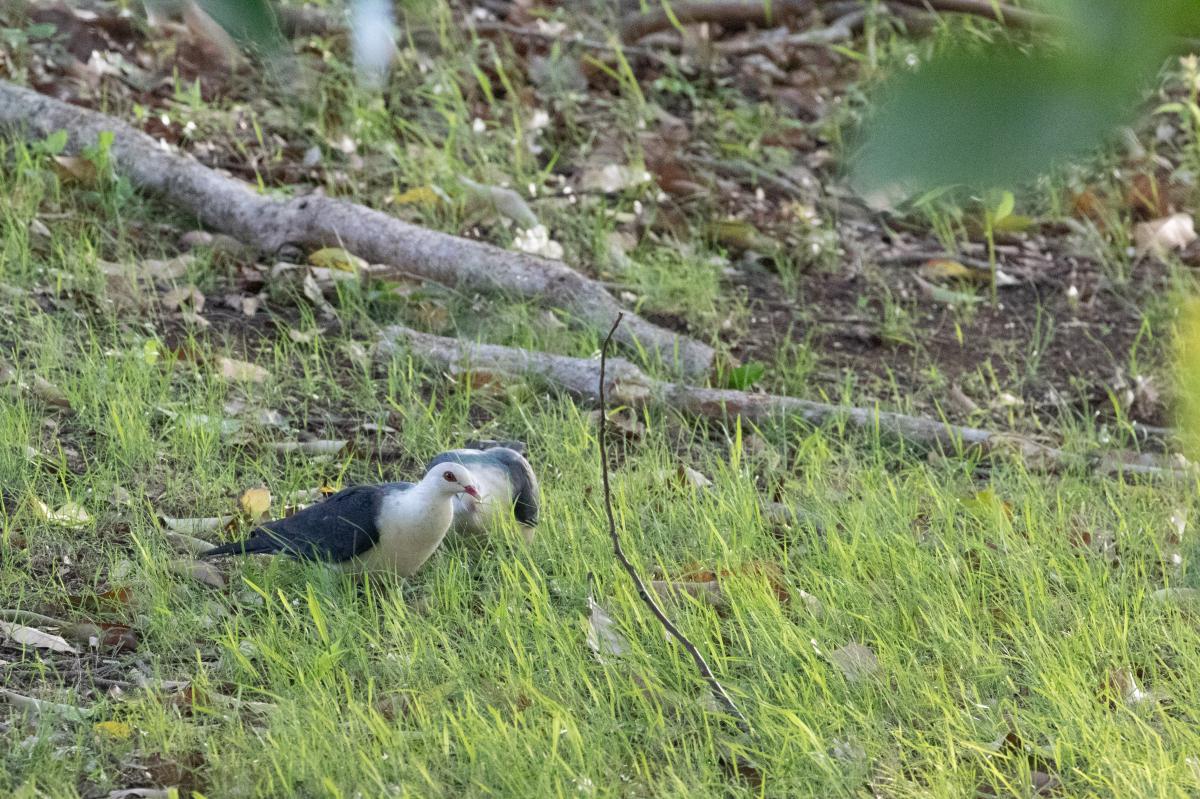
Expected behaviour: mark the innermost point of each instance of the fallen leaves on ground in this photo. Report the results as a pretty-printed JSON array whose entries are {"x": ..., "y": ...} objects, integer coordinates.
[
  {"x": 69, "y": 514},
  {"x": 602, "y": 634},
  {"x": 242, "y": 371},
  {"x": 505, "y": 202},
  {"x": 255, "y": 503},
  {"x": 1159, "y": 237},
  {"x": 31, "y": 636},
  {"x": 313, "y": 446},
  {"x": 856, "y": 662},
  {"x": 200, "y": 571}
]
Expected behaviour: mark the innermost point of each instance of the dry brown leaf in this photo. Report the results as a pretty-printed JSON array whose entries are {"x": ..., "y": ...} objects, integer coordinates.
[
  {"x": 233, "y": 369},
  {"x": 75, "y": 169},
  {"x": 31, "y": 636}
]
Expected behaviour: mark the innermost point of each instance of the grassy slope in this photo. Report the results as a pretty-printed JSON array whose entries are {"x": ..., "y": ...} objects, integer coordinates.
[{"x": 475, "y": 677}]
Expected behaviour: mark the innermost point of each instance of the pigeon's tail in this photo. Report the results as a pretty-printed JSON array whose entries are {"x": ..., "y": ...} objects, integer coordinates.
[{"x": 259, "y": 544}]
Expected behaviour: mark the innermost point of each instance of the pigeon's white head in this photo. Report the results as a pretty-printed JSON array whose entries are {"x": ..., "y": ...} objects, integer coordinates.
[{"x": 453, "y": 479}]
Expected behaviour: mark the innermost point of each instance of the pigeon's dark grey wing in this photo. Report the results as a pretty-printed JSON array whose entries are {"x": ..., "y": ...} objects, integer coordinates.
[
  {"x": 522, "y": 483},
  {"x": 338, "y": 529}
]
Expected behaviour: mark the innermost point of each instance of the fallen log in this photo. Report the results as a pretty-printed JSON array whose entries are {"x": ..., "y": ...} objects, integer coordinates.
[
  {"x": 268, "y": 224},
  {"x": 629, "y": 385}
]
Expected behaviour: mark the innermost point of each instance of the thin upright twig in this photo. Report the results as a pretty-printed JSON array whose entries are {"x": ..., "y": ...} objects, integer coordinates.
[{"x": 714, "y": 684}]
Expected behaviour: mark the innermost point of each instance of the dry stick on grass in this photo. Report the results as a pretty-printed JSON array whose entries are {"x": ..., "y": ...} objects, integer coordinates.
[
  {"x": 714, "y": 684},
  {"x": 722, "y": 12},
  {"x": 1007, "y": 15},
  {"x": 267, "y": 224}
]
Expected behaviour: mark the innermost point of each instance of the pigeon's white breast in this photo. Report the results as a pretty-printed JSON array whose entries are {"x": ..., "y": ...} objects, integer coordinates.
[{"x": 410, "y": 529}]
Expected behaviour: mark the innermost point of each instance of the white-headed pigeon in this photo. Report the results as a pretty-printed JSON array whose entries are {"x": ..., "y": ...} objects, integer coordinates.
[
  {"x": 393, "y": 527},
  {"x": 507, "y": 485}
]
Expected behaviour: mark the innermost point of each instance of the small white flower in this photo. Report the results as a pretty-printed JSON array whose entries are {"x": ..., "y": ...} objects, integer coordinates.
[{"x": 478, "y": 126}]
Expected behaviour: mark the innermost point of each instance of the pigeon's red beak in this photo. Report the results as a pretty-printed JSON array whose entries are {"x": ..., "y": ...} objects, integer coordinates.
[{"x": 472, "y": 490}]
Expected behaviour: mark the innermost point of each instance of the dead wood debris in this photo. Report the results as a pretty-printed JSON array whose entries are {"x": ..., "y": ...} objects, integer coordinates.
[
  {"x": 631, "y": 386},
  {"x": 314, "y": 220}
]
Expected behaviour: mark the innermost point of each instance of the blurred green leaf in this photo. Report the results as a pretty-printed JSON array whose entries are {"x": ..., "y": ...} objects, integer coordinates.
[
  {"x": 989, "y": 119},
  {"x": 746, "y": 375},
  {"x": 252, "y": 23},
  {"x": 998, "y": 116}
]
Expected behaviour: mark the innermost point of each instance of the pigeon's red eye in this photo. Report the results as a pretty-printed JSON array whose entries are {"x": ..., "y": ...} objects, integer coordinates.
[{"x": 449, "y": 477}]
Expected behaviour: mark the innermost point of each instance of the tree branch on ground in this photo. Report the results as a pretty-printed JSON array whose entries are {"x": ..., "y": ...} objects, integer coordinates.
[
  {"x": 718, "y": 691},
  {"x": 268, "y": 224},
  {"x": 631, "y": 386}
]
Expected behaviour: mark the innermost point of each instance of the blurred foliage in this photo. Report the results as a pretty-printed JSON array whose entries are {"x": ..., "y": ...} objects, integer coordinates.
[
  {"x": 251, "y": 23},
  {"x": 1187, "y": 372},
  {"x": 989, "y": 115}
]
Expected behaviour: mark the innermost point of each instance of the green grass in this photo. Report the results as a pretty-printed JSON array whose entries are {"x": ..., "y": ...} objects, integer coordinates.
[{"x": 475, "y": 677}]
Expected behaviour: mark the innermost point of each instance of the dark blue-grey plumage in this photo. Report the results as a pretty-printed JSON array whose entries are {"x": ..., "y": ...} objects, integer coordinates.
[
  {"x": 507, "y": 482},
  {"x": 340, "y": 528}
]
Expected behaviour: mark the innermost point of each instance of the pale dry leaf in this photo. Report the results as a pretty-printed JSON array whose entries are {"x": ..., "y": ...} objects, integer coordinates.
[
  {"x": 233, "y": 369},
  {"x": 316, "y": 446},
  {"x": 694, "y": 478},
  {"x": 31, "y": 636},
  {"x": 505, "y": 202},
  {"x": 165, "y": 271},
  {"x": 38, "y": 228},
  {"x": 198, "y": 570},
  {"x": 602, "y": 634},
  {"x": 255, "y": 502},
  {"x": 1160, "y": 236},
  {"x": 189, "y": 295},
  {"x": 49, "y": 393},
  {"x": 312, "y": 290},
  {"x": 186, "y": 544},
  {"x": 857, "y": 662},
  {"x": 69, "y": 514},
  {"x": 195, "y": 526},
  {"x": 612, "y": 178}
]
